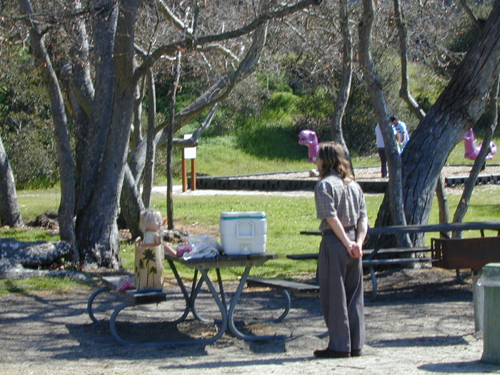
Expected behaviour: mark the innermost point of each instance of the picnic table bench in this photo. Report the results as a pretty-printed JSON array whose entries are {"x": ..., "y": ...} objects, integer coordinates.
[
  {"x": 129, "y": 297},
  {"x": 440, "y": 250},
  {"x": 371, "y": 263}
]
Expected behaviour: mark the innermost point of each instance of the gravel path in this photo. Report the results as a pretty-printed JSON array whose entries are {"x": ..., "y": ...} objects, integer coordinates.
[{"x": 422, "y": 322}]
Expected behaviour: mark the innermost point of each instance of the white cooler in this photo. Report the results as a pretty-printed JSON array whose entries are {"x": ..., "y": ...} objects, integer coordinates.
[{"x": 243, "y": 232}]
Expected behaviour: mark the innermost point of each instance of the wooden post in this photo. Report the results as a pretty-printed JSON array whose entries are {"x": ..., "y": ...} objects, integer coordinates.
[
  {"x": 184, "y": 173},
  {"x": 193, "y": 174},
  {"x": 188, "y": 153}
]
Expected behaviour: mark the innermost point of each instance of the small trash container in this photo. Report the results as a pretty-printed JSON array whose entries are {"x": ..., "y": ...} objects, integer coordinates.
[
  {"x": 490, "y": 279},
  {"x": 478, "y": 298}
]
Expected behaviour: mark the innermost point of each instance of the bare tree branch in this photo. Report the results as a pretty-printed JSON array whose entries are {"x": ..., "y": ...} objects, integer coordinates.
[
  {"x": 217, "y": 47},
  {"x": 193, "y": 43},
  {"x": 194, "y": 139},
  {"x": 345, "y": 82},
  {"x": 404, "y": 91},
  {"x": 471, "y": 15},
  {"x": 221, "y": 89},
  {"x": 65, "y": 157},
  {"x": 151, "y": 144},
  {"x": 170, "y": 175},
  {"x": 176, "y": 21}
]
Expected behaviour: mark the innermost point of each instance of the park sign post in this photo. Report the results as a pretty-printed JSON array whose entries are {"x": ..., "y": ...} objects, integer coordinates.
[{"x": 188, "y": 153}]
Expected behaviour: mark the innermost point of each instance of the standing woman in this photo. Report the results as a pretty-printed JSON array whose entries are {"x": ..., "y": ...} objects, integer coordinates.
[{"x": 340, "y": 204}]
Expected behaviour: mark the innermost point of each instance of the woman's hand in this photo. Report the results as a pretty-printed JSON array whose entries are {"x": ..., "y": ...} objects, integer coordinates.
[{"x": 355, "y": 250}]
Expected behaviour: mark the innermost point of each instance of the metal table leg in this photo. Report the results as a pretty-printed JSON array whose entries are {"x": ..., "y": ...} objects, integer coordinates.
[
  {"x": 232, "y": 307},
  {"x": 460, "y": 279},
  {"x": 374, "y": 283},
  {"x": 224, "y": 320},
  {"x": 221, "y": 288},
  {"x": 187, "y": 298},
  {"x": 288, "y": 301},
  {"x": 195, "y": 289},
  {"x": 117, "y": 337},
  {"x": 91, "y": 301},
  {"x": 284, "y": 292}
]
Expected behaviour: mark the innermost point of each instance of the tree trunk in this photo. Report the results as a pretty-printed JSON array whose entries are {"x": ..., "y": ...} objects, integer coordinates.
[
  {"x": 442, "y": 198},
  {"x": 457, "y": 109},
  {"x": 9, "y": 209},
  {"x": 64, "y": 154},
  {"x": 394, "y": 195},
  {"x": 104, "y": 24},
  {"x": 404, "y": 93},
  {"x": 79, "y": 89},
  {"x": 170, "y": 144},
  {"x": 96, "y": 225},
  {"x": 131, "y": 203},
  {"x": 147, "y": 186},
  {"x": 345, "y": 82}
]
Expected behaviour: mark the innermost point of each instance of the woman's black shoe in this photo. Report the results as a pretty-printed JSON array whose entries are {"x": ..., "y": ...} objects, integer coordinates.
[
  {"x": 356, "y": 353},
  {"x": 329, "y": 353}
]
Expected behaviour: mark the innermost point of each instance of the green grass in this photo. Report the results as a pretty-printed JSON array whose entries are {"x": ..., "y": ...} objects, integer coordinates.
[
  {"x": 39, "y": 284},
  {"x": 217, "y": 156},
  {"x": 35, "y": 202},
  {"x": 221, "y": 157},
  {"x": 28, "y": 235}
]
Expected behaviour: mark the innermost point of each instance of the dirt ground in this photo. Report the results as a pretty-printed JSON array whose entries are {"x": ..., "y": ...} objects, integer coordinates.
[{"x": 421, "y": 322}]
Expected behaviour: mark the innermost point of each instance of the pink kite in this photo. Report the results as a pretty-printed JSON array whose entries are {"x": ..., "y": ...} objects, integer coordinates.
[
  {"x": 472, "y": 150},
  {"x": 310, "y": 139}
]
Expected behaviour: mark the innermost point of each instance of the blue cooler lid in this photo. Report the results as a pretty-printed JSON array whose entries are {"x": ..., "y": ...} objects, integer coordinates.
[{"x": 242, "y": 215}]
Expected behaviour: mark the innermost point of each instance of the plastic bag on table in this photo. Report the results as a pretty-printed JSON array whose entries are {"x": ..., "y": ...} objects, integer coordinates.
[
  {"x": 202, "y": 238},
  {"x": 203, "y": 246},
  {"x": 183, "y": 248}
]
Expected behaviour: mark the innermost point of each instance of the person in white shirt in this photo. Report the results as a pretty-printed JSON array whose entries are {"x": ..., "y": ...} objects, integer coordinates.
[
  {"x": 401, "y": 132},
  {"x": 381, "y": 150}
]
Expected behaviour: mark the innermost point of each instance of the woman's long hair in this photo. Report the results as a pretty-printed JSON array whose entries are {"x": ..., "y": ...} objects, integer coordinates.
[{"x": 334, "y": 160}]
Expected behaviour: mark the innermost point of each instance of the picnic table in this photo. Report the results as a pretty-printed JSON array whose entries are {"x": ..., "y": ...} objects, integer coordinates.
[
  {"x": 200, "y": 266},
  {"x": 404, "y": 256},
  {"x": 203, "y": 266}
]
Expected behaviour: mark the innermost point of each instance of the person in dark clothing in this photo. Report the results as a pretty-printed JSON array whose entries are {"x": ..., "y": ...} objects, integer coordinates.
[{"x": 341, "y": 207}]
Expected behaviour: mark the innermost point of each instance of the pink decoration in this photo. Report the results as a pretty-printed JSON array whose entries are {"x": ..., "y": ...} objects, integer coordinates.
[
  {"x": 310, "y": 139},
  {"x": 472, "y": 150}
]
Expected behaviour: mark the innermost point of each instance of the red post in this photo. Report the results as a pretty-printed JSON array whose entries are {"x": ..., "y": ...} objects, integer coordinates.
[{"x": 193, "y": 174}]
